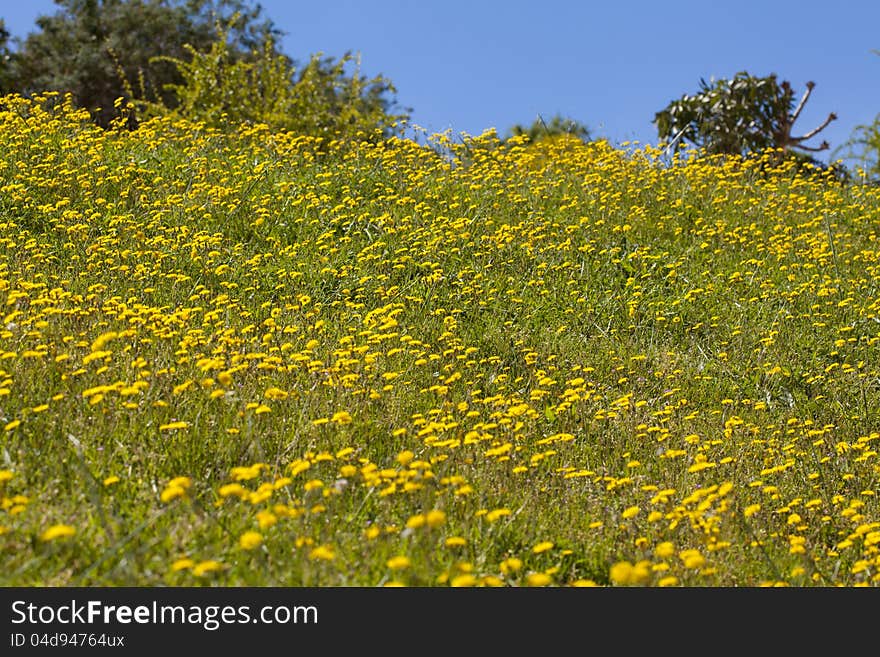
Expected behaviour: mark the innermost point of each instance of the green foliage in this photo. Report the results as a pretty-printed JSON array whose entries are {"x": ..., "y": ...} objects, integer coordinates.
[
  {"x": 558, "y": 125},
  {"x": 864, "y": 148},
  {"x": 321, "y": 99},
  {"x": 86, "y": 44},
  {"x": 5, "y": 59},
  {"x": 745, "y": 114}
]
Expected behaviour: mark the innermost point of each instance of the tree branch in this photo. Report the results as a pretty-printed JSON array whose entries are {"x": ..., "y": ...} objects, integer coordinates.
[
  {"x": 824, "y": 146},
  {"x": 816, "y": 131},
  {"x": 797, "y": 111}
]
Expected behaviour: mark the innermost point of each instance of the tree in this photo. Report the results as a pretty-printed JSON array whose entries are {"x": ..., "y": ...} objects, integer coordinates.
[
  {"x": 559, "y": 125},
  {"x": 320, "y": 99},
  {"x": 5, "y": 59},
  {"x": 745, "y": 114},
  {"x": 89, "y": 47}
]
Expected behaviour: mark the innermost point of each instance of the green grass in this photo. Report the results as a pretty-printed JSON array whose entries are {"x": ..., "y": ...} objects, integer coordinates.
[{"x": 672, "y": 368}]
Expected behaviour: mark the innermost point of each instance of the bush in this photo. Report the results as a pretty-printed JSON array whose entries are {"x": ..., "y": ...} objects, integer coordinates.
[{"x": 321, "y": 99}]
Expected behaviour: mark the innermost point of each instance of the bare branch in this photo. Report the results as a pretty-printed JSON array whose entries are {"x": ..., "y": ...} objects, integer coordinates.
[
  {"x": 824, "y": 146},
  {"x": 816, "y": 131},
  {"x": 797, "y": 111}
]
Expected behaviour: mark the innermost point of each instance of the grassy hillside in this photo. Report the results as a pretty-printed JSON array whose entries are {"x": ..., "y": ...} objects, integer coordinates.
[{"x": 261, "y": 359}]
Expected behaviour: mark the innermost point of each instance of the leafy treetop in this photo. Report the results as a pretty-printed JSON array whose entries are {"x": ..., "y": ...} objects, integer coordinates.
[
  {"x": 558, "y": 125},
  {"x": 741, "y": 115}
]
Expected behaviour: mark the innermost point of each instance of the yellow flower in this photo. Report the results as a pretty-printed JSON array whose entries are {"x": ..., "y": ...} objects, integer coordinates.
[
  {"x": 250, "y": 540},
  {"x": 511, "y": 565},
  {"x": 538, "y": 579},
  {"x": 416, "y": 521},
  {"x": 463, "y": 580},
  {"x": 103, "y": 339},
  {"x": 692, "y": 558},
  {"x": 275, "y": 393},
  {"x": 398, "y": 563},
  {"x": 641, "y": 572},
  {"x": 266, "y": 519},
  {"x": 341, "y": 417},
  {"x": 245, "y": 473},
  {"x": 664, "y": 550},
  {"x": 109, "y": 481},
  {"x": 205, "y": 567},
  {"x": 670, "y": 580},
  {"x": 172, "y": 493},
  {"x": 12, "y": 425},
  {"x": 435, "y": 518},
  {"x": 232, "y": 489},
  {"x": 455, "y": 541},
  {"x": 543, "y": 546},
  {"x": 177, "y": 487},
  {"x": 322, "y": 553},
  {"x": 584, "y": 583},
  {"x": 631, "y": 512},
  {"x": 182, "y": 564},
  {"x": 183, "y": 482},
  {"x": 622, "y": 573},
  {"x": 173, "y": 426},
  {"x": 57, "y": 532},
  {"x": 495, "y": 514}
]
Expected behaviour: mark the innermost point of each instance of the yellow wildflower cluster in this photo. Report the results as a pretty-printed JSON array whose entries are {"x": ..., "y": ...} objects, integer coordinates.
[{"x": 264, "y": 358}]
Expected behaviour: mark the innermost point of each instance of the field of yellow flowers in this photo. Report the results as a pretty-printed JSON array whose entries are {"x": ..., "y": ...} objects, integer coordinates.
[{"x": 253, "y": 358}]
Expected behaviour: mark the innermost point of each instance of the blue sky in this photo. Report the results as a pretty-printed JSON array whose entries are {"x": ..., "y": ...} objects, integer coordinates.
[{"x": 471, "y": 65}]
